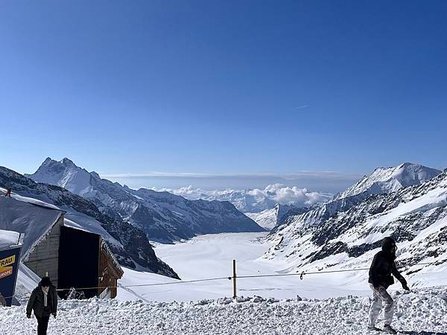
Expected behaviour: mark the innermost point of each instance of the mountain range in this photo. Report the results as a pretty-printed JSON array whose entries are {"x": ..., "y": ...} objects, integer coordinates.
[
  {"x": 407, "y": 202},
  {"x": 163, "y": 216},
  {"x": 129, "y": 244}
]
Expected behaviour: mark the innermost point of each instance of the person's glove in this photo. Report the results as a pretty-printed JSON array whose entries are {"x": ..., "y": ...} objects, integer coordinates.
[{"x": 28, "y": 316}]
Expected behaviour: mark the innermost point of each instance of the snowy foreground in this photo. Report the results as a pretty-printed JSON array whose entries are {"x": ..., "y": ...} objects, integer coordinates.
[
  {"x": 420, "y": 312},
  {"x": 332, "y": 303}
]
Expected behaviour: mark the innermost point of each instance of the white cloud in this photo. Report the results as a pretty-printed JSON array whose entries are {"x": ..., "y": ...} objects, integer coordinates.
[{"x": 254, "y": 200}]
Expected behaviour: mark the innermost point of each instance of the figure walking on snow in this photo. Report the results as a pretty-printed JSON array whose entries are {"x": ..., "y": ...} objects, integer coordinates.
[
  {"x": 8, "y": 192},
  {"x": 43, "y": 301},
  {"x": 379, "y": 279}
]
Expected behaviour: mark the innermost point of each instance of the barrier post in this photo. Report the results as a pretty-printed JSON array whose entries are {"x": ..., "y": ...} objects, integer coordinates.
[{"x": 234, "y": 279}]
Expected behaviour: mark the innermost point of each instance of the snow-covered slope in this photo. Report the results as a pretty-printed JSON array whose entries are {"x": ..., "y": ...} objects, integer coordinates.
[
  {"x": 266, "y": 219},
  {"x": 381, "y": 181},
  {"x": 392, "y": 179},
  {"x": 25, "y": 210},
  {"x": 271, "y": 218},
  {"x": 415, "y": 216},
  {"x": 21, "y": 217},
  {"x": 66, "y": 175},
  {"x": 418, "y": 312},
  {"x": 162, "y": 216}
]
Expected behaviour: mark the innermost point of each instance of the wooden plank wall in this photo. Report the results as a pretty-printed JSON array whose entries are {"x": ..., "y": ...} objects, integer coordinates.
[
  {"x": 108, "y": 272},
  {"x": 45, "y": 256}
]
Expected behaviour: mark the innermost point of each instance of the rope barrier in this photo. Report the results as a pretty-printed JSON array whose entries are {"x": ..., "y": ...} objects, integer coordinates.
[
  {"x": 301, "y": 275},
  {"x": 180, "y": 282}
]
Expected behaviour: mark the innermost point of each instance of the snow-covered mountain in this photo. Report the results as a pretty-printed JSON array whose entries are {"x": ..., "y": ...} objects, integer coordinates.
[
  {"x": 391, "y": 179},
  {"x": 162, "y": 216},
  {"x": 257, "y": 200},
  {"x": 346, "y": 232},
  {"x": 271, "y": 218},
  {"x": 128, "y": 243},
  {"x": 381, "y": 181}
]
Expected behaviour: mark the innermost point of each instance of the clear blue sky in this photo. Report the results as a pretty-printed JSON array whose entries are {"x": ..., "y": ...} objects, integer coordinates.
[{"x": 223, "y": 87}]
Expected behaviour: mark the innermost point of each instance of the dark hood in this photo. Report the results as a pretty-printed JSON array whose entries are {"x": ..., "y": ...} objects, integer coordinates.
[
  {"x": 387, "y": 246},
  {"x": 45, "y": 282}
]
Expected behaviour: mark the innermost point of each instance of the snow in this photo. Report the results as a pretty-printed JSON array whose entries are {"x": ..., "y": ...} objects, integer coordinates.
[
  {"x": 266, "y": 219},
  {"x": 8, "y": 238},
  {"x": 334, "y": 303},
  {"x": 211, "y": 256},
  {"x": 419, "y": 212},
  {"x": 161, "y": 215},
  {"x": 432, "y": 199},
  {"x": 421, "y": 311},
  {"x": 30, "y": 200},
  {"x": 387, "y": 180},
  {"x": 71, "y": 177},
  {"x": 24, "y": 217}
]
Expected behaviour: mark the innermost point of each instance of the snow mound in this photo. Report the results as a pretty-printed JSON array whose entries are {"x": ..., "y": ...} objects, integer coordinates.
[{"x": 419, "y": 312}]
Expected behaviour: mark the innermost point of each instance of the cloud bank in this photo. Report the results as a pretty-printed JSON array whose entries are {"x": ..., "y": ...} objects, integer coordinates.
[{"x": 255, "y": 200}]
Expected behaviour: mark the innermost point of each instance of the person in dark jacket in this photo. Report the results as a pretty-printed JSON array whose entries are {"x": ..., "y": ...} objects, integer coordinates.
[
  {"x": 43, "y": 301},
  {"x": 380, "y": 279}
]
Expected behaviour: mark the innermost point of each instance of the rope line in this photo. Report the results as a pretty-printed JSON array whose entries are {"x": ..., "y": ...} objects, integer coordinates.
[{"x": 301, "y": 275}]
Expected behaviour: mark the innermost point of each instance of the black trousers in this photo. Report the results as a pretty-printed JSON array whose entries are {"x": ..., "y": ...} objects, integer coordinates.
[{"x": 42, "y": 325}]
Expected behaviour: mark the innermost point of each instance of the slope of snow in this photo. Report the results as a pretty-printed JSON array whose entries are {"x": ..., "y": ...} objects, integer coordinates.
[
  {"x": 266, "y": 219},
  {"x": 264, "y": 305},
  {"x": 419, "y": 312},
  {"x": 415, "y": 216},
  {"x": 31, "y": 220},
  {"x": 64, "y": 174},
  {"x": 162, "y": 216},
  {"x": 392, "y": 179},
  {"x": 27, "y": 280},
  {"x": 210, "y": 256},
  {"x": 127, "y": 242},
  {"x": 34, "y": 218}
]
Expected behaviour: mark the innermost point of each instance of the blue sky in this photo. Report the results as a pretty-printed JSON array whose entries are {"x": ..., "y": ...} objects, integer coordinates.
[{"x": 223, "y": 87}]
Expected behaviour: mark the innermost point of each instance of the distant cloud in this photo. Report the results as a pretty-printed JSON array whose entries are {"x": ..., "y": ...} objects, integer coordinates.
[
  {"x": 302, "y": 107},
  {"x": 317, "y": 181},
  {"x": 292, "y": 195},
  {"x": 255, "y": 200}
]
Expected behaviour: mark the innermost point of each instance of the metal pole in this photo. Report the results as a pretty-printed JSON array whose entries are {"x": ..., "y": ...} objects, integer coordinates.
[{"x": 234, "y": 279}]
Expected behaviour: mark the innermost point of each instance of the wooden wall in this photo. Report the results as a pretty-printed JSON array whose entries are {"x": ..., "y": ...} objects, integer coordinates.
[
  {"x": 109, "y": 272},
  {"x": 44, "y": 258}
]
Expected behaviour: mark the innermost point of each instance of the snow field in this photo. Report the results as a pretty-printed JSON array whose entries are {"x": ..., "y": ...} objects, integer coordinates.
[
  {"x": 210, "y": 256},
  {"x": 423, "y": 311}
]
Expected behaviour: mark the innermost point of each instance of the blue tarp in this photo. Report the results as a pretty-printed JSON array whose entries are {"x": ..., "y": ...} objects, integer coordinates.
[{"x": 9, "y": 267}]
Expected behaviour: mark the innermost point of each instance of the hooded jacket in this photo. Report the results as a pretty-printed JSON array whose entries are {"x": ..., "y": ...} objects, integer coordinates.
[
  {"x": 36, "y": 302},
  {"x": 383, "y": 266}
]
